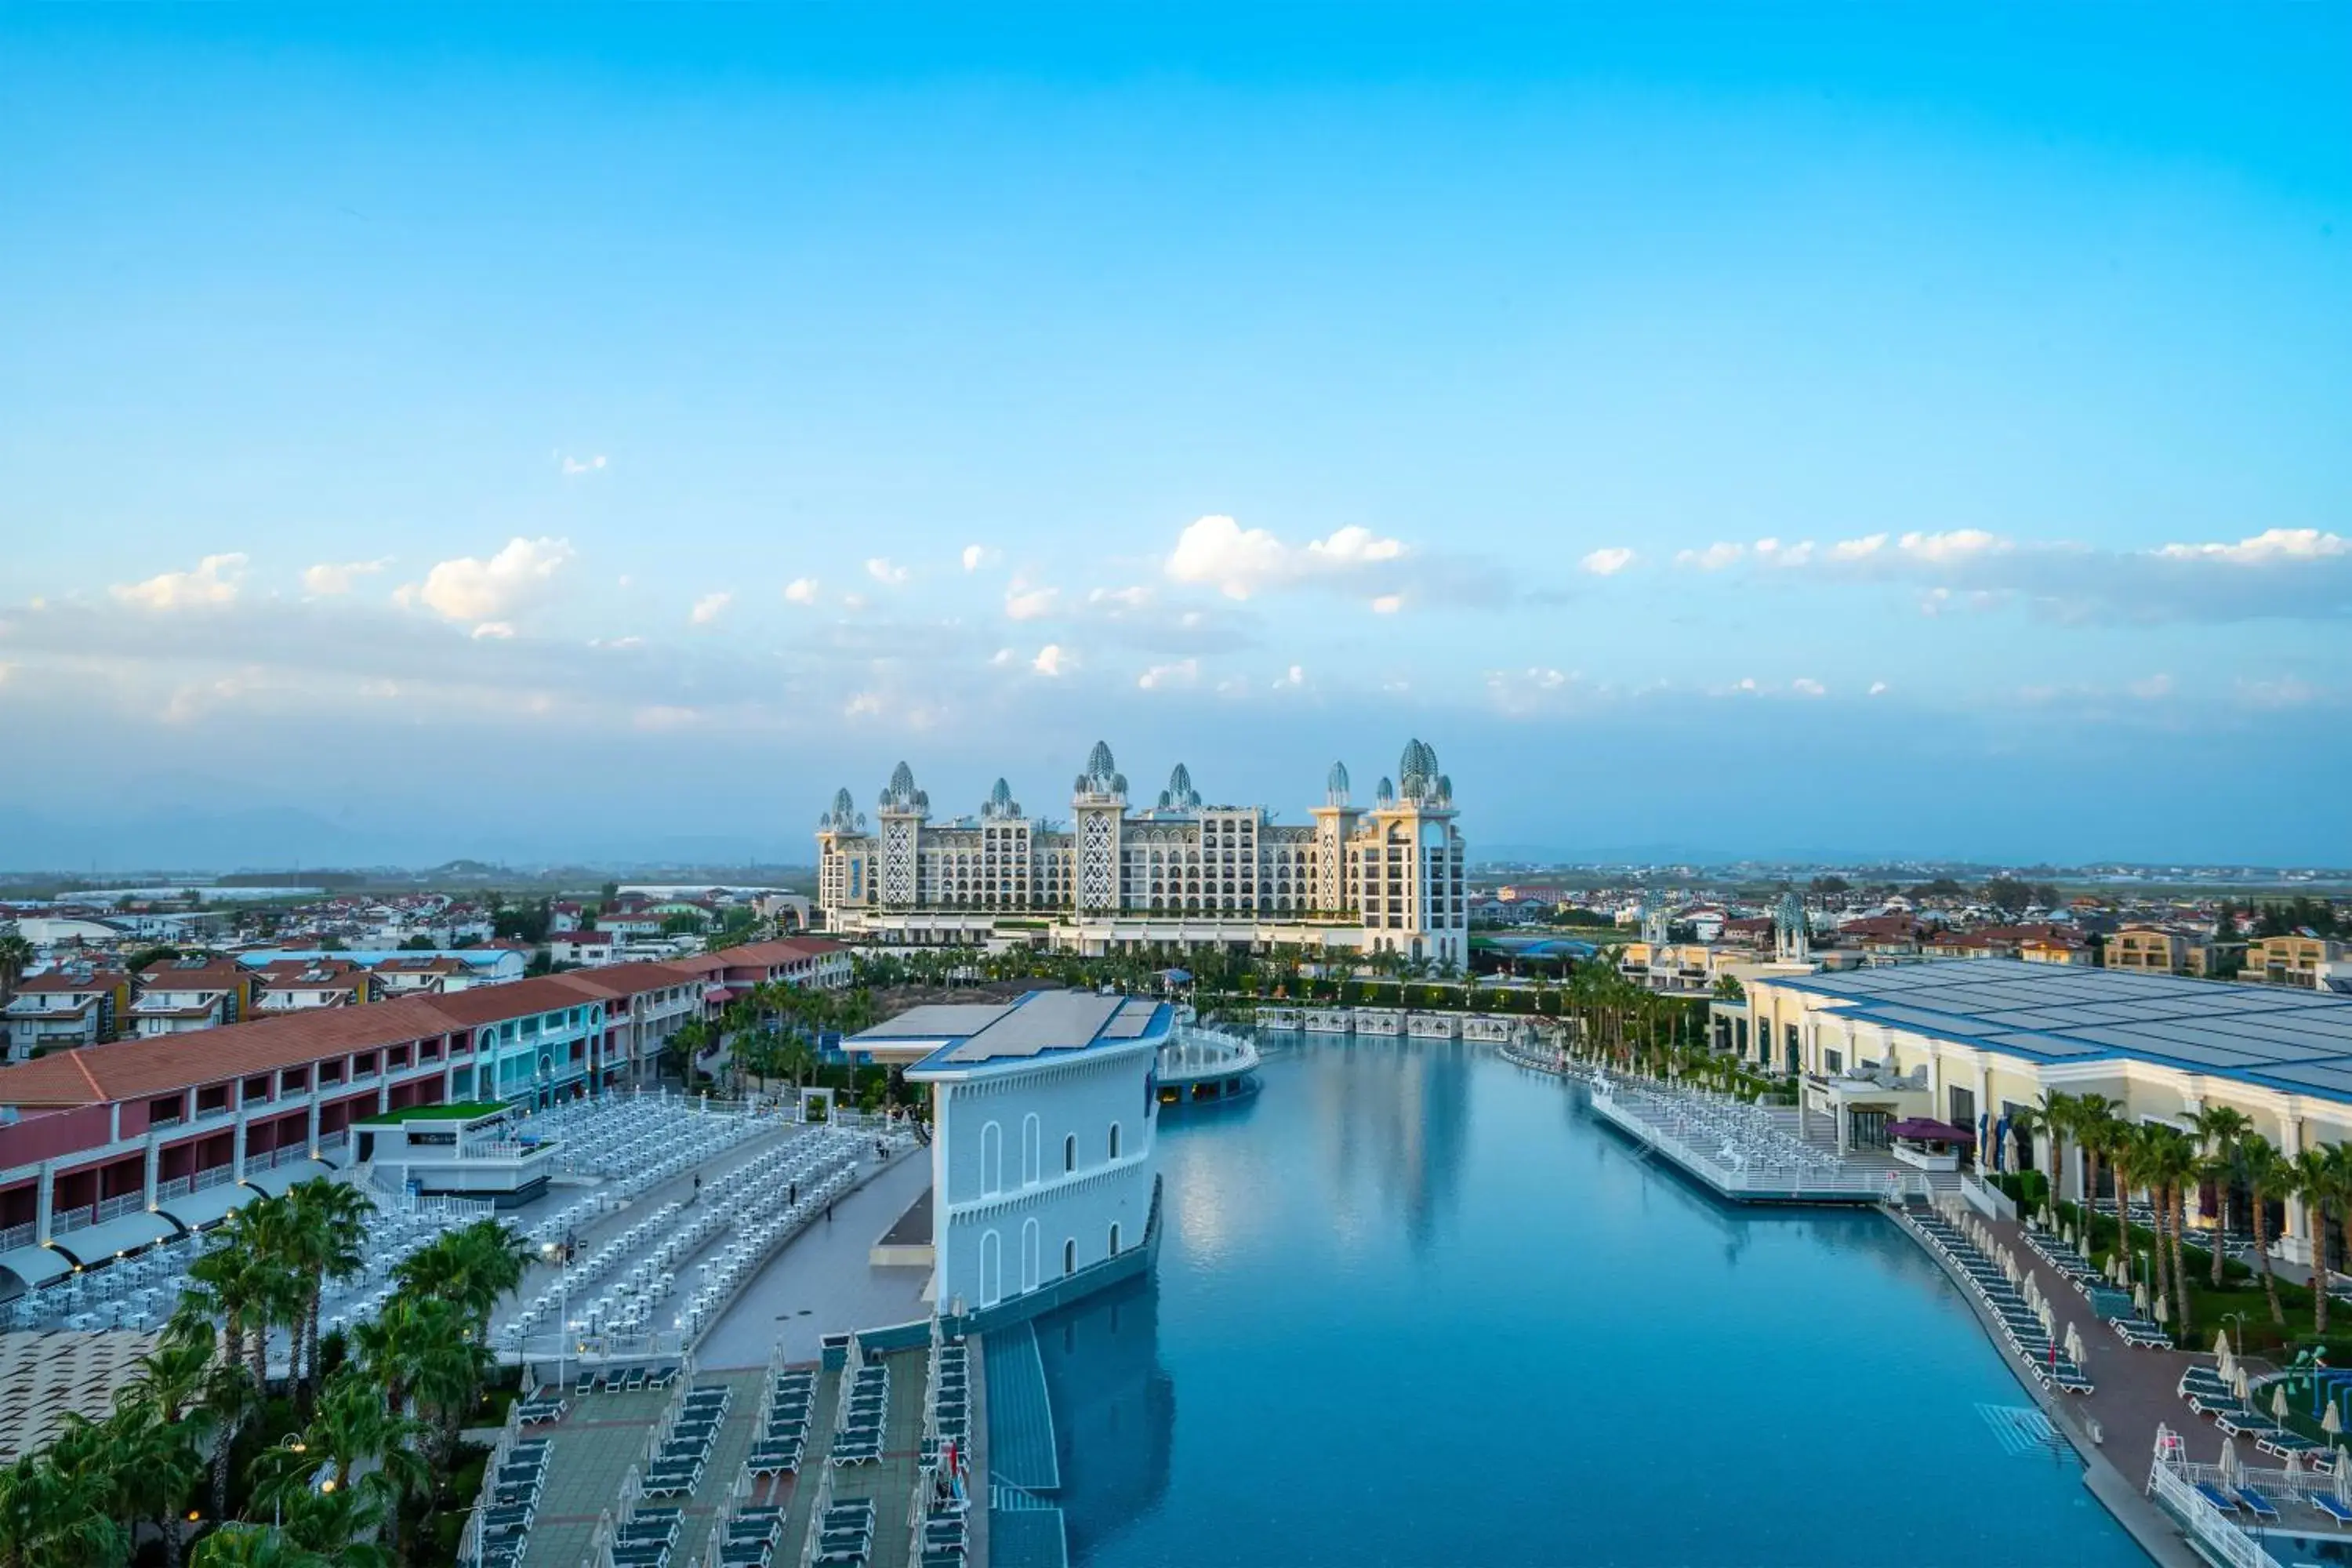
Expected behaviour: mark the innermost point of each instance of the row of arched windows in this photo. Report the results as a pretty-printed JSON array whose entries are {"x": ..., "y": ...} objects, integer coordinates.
[
  {"x": 991, "y": 1260},
  {"x": 992, "y": 1153}
]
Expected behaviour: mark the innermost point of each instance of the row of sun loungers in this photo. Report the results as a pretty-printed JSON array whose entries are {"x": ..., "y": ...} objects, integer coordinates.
[
  {"x": 679, "y": 1460},
  {"x": 648, "y": 1537},
  {"x": 951, "y": 1395},
  {"x": 2256, "y": 1505},
  {"x": 945, "y": 1542},
  {"x": 751, "y": 1537},
  {"x": 629, "y": 1379},
  {"x": 2211, "y": 1395},
  {"x": 2051, "y": 1366},
  {"x": 844, "y": 1536},
  {"x": 547, "y": 1404},
  {"x": 782, "y": 1437},
  {"x": 857, "y": 1437},
  {"x": 511, "y": 1505},
  {"x": 2055, "y": 1252}
]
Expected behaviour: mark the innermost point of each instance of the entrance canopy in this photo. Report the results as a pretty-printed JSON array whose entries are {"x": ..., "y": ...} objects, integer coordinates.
[
  {"x": 1920, "y": 1129},
  {"x": 96, "y": 1243}
]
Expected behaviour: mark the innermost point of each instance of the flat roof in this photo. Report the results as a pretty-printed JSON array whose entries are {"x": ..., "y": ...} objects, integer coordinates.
[
  {"x": 461, "y": 1111},
  {"x": 1042, "y": 1023},
  {"x": 2280, "y": 1036}
]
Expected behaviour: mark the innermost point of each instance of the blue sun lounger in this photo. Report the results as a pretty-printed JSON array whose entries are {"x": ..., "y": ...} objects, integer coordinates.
[
  {"x": 2258, "y": 1505},
  {"x": 2216, "y": 1497}
]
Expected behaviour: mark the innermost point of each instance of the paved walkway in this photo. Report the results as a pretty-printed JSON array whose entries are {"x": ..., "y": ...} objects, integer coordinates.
[
  {"x": 821, "y": 1283},
  {"x": 589, "y": 1452}
]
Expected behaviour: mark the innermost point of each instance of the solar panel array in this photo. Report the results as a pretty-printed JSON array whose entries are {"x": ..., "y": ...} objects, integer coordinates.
[
  {"x": 1056, "y": 1021},
  {"x": 2281, "y": 1038}
]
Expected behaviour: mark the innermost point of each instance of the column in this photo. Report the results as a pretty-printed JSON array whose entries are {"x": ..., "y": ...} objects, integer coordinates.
[
  {"x": 2294, "y": 1244},
  {"x": 237, "y": 1149},
  {"x": 42, "y": 1211},
  {"x": 314, "y": 1113},
  {"x": 154, "y": 1165}
]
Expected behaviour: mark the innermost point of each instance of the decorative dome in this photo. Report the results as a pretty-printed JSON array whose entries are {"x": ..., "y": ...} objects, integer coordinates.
[
  {"x": 900, "y": 793},
  {"x": 1001, "y": 803},
  {"x": 1385, "y": 794},
  {"x": 844, "y": 817},
  {"x": 1417, "y": 773},
  {"x": 1334, "y": 784},
  {"x": 1179, "y": 794},
  {"x": 1102, "y": 775}
]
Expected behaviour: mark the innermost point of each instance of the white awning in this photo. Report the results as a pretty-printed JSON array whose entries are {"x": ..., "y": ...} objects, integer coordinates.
[
  {"x": 277, "y": 1178},
  {"x": 36, "y": 1265},
  {"x": 209, "y": 1206},
  {"x": 97, "y": 1242}
]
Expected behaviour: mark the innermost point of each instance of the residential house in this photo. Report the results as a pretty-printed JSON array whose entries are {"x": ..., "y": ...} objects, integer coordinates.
[
  {"x": 76, "y": 1004},
  {"x": 174, "y": 996}
]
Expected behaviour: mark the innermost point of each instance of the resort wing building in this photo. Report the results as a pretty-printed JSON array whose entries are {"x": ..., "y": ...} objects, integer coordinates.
[
  {"x": 1972, "y": 1043},
  {"x": 1386, "y": 878}
]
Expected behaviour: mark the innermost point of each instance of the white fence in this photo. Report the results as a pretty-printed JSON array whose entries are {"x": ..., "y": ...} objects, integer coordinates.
[{"x": 2173, "y": 1484}]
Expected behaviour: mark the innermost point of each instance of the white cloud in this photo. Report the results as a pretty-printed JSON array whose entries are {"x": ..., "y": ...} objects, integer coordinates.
[
  {"x": 2274, "y": 544},
  {"x": 1052, "y": 660},
  {"x": 887, "y": 573},
  {"x": 1858, "y": 549},
  {"x": 865, "y": 705},
  {"x": 801, "y": 591},
  {"x": 1022, "y": 603},
  {"x": 659, "y": 717},
  {"x": 2155, "y": 689},
  {"x": 1182, "y": 672},
  {"x": 1388, "y": 603},
  {"x": 1878, "y": 689},
  {"x": 575, "y": 467},
  {"x": 499, "y": 631},
  {"x": 709, "y": 608},
  {"x": 471, "y": 589},
  {"x": 1000, "y": 658},
  {"x": 1806, "y": 686},
  {"x": 1945, "y": 549},
  {"x": 1291, "y": 679},
  {"x": 2288, "y": 691},
  {"x": 1608, "y": 563},
  {"x": 1775, "y": 552},
  {"x": 1218, "y": 553},
  {"x": 1135, "y": 598},
  {"x": 1713, "y": 558},
  {"x": 329, "y": 578},
  {"x": 976, "y": 556},
  {"x": 215, "y": 581}
]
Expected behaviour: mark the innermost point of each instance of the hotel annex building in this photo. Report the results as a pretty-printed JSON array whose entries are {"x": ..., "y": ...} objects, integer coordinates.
[{"x": 1386, "y": 878}]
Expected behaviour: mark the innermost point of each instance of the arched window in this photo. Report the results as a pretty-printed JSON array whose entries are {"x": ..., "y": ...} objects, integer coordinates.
[
  {"x": 992, "y": 1267},
  {"x": 991, "y": 1160},
  {"x": 1113, "y": 1239},
  {"x": 1030, "y": 1247},
  {"x": 1069, "y": 1154},
  {"x": 1070, "y": 1257},
  {"x": 1114, "y": 1140},
  {"x": 1033, "y": 1151}
]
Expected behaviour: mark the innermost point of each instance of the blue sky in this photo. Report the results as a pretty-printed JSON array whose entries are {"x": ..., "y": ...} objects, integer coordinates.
[{"x": 1752, "y": 429}]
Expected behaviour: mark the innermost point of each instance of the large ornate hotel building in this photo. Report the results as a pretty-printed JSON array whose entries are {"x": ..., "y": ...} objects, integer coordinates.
[{"x": 1385, "y": 878}]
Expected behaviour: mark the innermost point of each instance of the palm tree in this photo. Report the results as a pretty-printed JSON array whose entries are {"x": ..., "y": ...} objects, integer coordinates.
[
  {"x": 155, "y": 1467},
  {"x": 325, "y": 1236},
  {"x": 2221, "y": 1128},
  {"x": 2264, "y": 1171},
  {"x": 57, "y": 1518},
  {"x": 254, "y": 1546},
  {"x": 2095, "y": 1131},
  {"x": 2176, "y": 1162},
  {"x": 353, "y": 1426},
  {"x": 15, "y": 957},
  {"x": 2024, "y": 1122},
  {"x": 2059, "y": 1114},
  {"x": 2316, "y": 1176}
]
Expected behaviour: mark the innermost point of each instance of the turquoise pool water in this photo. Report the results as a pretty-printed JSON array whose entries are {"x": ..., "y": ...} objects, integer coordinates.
[{"x": 1414, "y": 1307}]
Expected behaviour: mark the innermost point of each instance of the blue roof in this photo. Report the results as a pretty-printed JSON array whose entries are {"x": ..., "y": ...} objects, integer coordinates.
[
  {"x": 474, "y": 957},
  {"x": 1041, "y": 1024},
  {"x": 2281, "y": 1037}
]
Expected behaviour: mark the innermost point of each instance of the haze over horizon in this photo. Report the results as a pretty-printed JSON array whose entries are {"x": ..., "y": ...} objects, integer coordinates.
[{"x": 538, "y": 436}]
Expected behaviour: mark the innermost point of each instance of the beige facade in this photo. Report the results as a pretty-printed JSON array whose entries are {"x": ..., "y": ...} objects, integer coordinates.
[
  {"x": 1382, "y": 879},
  {"x": 2154, "y": 950},
  {"x": 2289, "y": 960},
  {"x": 2001, "y": 1043}
]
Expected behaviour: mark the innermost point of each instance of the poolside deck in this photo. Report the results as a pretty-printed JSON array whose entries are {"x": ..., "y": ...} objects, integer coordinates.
[{"x": 1849, "y": 1177}]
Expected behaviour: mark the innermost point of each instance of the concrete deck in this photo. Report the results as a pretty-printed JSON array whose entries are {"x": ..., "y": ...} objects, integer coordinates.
[{"x": 821, "y": 1283}]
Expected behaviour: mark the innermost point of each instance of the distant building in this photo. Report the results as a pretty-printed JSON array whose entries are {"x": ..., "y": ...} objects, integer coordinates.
[
  {"x": 73, "y": 1005},
  {"x": 291, "y": 985},
  {"x": 2289, "y": 960},
  {"x": 588, "y": 948},
  {"x": 1386, "y": 878},
  {"x": 174, "y": 996},
  {"x": 2158, "y": 950}
]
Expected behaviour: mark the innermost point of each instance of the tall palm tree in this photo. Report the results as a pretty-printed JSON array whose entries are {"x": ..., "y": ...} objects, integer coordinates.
[
  {"x": 2316, "y": 1176},
  {"x": 2221, "y": 1128},
  {"x": 2265, "y": 1172},
  {"x": 2175, "y": 1161},
  {"x": 325, "y": 1239},
  {"x": 254, "y": 1546},
  {"x": 2095, "y": 1131},
  {"x": 15, "y": 957},
  {"x": 2060, "y": 1114}
]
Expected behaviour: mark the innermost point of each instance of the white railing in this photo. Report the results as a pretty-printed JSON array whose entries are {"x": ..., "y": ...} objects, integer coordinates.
[
  {"x": 218, "y": 1176},
  {"x": 1888, "y": 1186},
  {"x": 2173, "y": 1483},
  {"x": 65, "y": 1222},
  {"x": 177, "y": 1187},
  {"x": 16, "y": 1236},
  {"x": 120, "y": 1204}
]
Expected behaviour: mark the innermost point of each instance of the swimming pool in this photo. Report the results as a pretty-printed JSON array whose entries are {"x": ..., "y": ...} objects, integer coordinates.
[{"x": 1414, "y": 1307}]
